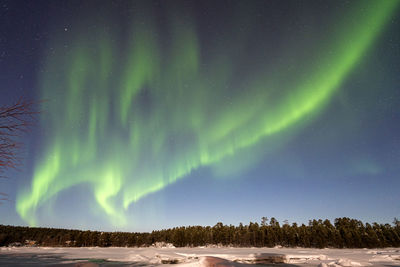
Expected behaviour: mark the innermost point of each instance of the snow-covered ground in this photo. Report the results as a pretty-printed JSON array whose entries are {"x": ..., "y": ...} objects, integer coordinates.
[{"x": 201, "y": 256}]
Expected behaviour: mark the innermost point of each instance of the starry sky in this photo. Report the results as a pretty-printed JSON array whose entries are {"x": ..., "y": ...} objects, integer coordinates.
[{"x": 166, "y": 113}]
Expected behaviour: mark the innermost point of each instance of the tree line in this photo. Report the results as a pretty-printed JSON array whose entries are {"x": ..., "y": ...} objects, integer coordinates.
[{"x": 343, "y": 233}]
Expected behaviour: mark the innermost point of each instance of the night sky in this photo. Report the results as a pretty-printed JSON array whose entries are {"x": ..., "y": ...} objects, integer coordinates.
[{"x": 169, "y": 113}]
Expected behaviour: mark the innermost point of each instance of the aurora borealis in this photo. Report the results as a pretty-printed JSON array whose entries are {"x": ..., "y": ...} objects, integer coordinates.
[{"x": 142, "y": 95}]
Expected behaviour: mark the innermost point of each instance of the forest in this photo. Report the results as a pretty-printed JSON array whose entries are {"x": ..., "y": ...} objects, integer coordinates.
[{"x": 343, "y": 233}]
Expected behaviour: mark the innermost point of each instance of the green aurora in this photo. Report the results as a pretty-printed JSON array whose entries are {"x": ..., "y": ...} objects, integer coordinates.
[{"x": 130, "y": 120}]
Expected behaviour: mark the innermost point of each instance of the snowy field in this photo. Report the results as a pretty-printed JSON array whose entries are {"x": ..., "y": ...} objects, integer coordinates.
[{"x": 201, "y": 256}]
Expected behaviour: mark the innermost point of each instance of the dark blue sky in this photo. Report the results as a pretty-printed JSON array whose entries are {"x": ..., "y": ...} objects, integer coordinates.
[{"x": 188, "y": 113}]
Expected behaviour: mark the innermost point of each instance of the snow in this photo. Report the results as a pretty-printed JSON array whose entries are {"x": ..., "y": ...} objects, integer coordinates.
[{"x": 206, "y": 256}]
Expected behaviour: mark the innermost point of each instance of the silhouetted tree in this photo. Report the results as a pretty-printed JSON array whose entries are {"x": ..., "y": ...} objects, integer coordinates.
[
  {"x": 345, "y": 232},
  {"x": 14, "y": 120}
]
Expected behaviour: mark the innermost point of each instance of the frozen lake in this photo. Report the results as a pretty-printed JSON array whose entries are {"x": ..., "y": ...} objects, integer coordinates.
[{"x": 202, "y": 256}]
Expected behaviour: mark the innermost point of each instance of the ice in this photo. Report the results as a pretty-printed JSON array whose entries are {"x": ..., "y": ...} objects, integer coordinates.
[
  {"x": 348, "y": 263},
  {"x": 221, "y": 256}
]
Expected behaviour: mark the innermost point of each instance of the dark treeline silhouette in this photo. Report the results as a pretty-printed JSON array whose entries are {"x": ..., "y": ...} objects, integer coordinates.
[{"x": 343, "y": 233}]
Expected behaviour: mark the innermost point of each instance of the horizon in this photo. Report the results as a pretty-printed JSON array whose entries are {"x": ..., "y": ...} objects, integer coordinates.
[{"x": 281, "y": 223}]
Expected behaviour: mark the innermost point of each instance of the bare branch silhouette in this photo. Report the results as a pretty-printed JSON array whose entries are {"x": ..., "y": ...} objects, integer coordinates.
[{"x": 15, "y": 120}]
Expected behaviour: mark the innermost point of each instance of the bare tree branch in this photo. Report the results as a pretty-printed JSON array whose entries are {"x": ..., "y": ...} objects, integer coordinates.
[{"x": 15, "y": 120}]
